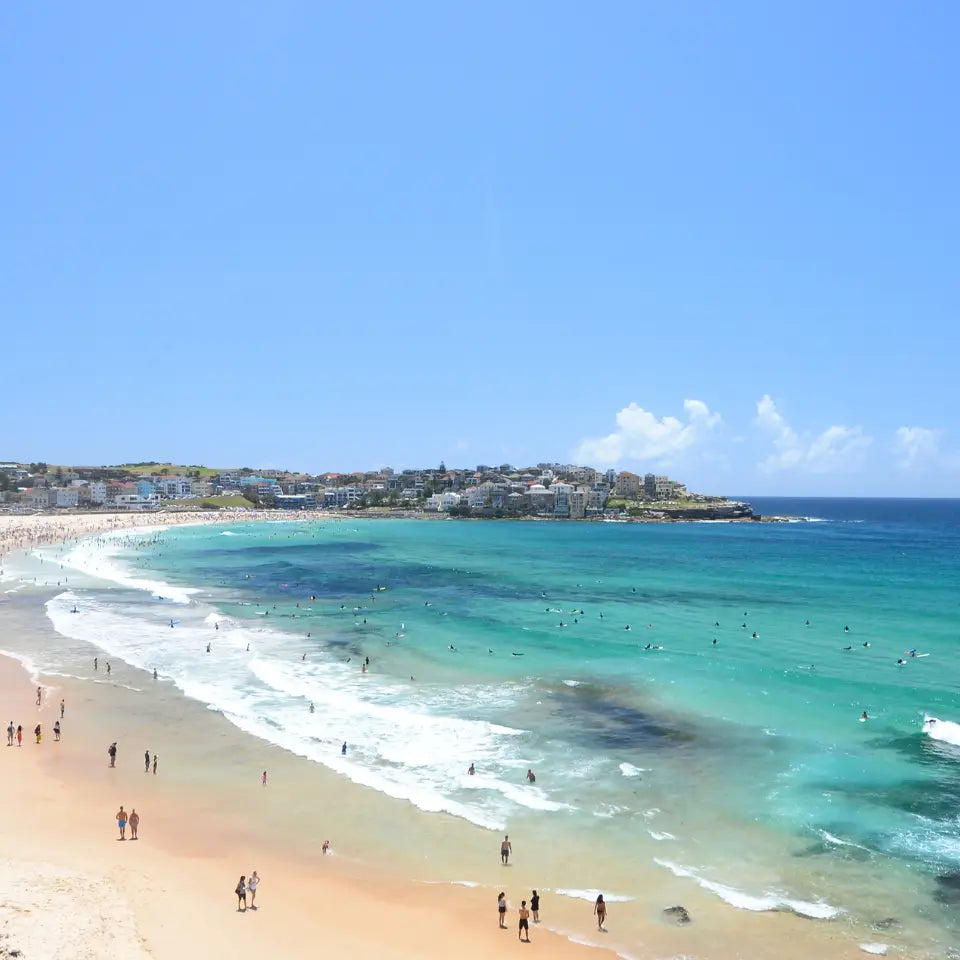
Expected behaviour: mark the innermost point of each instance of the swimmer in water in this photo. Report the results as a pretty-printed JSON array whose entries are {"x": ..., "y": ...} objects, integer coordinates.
[
  {"x": 714, "y": 641},
  {"x": 900, "y": 661},
  {"x": 208, "y": 648},
  {"x": 627, "y": 627},
  {"x": 846, "y": 629},
  {"x": 866, "y": 643},
  {"x": 848, "y": 648},
  {"x": 863, "y": 716},
  {"x": 756, "y": 636},
  {"x": 471, "y": 770}
]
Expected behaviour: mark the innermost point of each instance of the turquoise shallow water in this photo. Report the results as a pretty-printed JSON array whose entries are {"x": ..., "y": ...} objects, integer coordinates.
[{"x": 741, "y": 765}]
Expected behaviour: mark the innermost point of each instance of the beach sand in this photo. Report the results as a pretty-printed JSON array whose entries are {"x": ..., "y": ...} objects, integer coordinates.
[{"x": 70, "y": 888}]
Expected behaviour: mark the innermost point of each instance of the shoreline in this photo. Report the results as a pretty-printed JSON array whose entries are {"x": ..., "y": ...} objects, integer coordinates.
[{"x": 359, "y": 857}]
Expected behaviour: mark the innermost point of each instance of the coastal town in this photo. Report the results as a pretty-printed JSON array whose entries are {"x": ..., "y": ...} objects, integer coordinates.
[{"x": 546, "y": 491}]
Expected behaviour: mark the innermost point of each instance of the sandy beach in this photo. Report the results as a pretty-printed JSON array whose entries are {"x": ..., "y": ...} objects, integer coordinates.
[{"x": 69, "y": 887}]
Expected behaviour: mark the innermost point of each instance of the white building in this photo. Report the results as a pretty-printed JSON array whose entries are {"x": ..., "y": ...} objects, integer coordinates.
[
  {"x": 134, "y": 502},
  {"x": 64, "y": 497}
]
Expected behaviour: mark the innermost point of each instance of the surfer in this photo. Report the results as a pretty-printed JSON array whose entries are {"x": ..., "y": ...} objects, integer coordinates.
[
  {"x": 848, "y": 648},
  {"x": 866, "y": 643},
  {"x": 900, "y": 661}
]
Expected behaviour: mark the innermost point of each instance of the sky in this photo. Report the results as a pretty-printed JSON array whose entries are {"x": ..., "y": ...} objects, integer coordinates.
[{"x": 714, "y": 240}]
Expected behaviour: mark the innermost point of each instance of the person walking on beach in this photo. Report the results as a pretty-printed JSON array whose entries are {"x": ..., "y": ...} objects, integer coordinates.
[
  {"x": 95, "y": 659},
  {"x": 524, "y": 922},
  {"x": 36, "y": 732},
  {"x": 252, "y": 885},
  {"x": 146, "y": 761},
  {"x": 134, "y": 822},
  {"x": 56, "y": 731},
  {"x": 39, "y": 695},
  {"x": 535, "y": 906},
  {"x": 19, "y": 735},
  {"x": 502, "y": 909},
  {"x": 112, "y": 753},
  {"x": 600, "y": 909},
  {"x": 122, "y": 822},
  {"x": 154, "y": 764},
  {"x": 263, "y": 779},
  {"x": 11, "y": 730},
  {"x": 63, "y": 705},
  {"x": 506, "y": 848},
  {"x": 241, "y": 893}
]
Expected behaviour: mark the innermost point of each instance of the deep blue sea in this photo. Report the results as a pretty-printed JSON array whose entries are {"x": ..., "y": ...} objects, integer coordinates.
[{"x": 689, "y": 696}]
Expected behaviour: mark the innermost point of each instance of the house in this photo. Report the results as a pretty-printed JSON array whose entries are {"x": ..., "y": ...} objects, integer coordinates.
[
  {"x": 296, "y": 501},
  {"x": 37, "y": 498}
]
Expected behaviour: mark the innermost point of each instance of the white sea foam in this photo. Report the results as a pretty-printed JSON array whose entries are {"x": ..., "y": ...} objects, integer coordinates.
[
  {"x": 944, "y": 730},
  {"x": 837, "y": 841},
  {"x": 661, "y": 835},
  {"x": 591, "y": 895},
  {"x": 758, "y": 903},
  {"x": 96, "y": 561},
  {"x": 878, "y": 949},
  {"x": 629, "y": 770},
  {"x": 407, "y": 742}
]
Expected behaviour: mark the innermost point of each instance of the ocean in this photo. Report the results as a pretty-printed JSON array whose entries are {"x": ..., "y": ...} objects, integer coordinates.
[{"x": 688, "y": 696}]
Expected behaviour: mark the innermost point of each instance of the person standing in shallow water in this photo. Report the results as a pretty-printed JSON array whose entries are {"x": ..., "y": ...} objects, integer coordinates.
[
  {"x": 506, "y": 848},
  {"x": 600, "y": 909},
  {"x": 535, "y": 906}
]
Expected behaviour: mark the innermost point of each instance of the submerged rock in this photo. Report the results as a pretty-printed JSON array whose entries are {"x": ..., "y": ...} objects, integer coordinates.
[{"x": 677, "y": 914}]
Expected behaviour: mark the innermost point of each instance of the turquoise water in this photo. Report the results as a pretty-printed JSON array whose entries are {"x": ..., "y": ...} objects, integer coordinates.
[{"x": 740, "y": 764}]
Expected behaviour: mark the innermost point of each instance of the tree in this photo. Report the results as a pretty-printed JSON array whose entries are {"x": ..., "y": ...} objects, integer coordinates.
[
  {"x": 443, "y": 467},
  {"x": 39, "y": 467},
  {"x": 4, "y": 482}
]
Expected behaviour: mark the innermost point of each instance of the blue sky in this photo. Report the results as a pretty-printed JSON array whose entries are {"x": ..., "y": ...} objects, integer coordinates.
[{"x": 716, "y": 240}]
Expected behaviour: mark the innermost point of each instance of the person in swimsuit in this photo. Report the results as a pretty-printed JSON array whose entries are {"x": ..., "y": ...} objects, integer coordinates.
[
  {"x": 19, "y": 735},
  {"x": 11, "y": 730},
  {"x": 535, "y": 906},
  {"x": 154, "y": 764},
  {"x": 524, "y": 922},
  {"x": 263, "y": 779},
  {"x": 56, "y": 730},
  {"x": 112, "y": 753},
  {"x": 39, "y": 695},
  {"x": 63, "y": 706},
  {"x": 471, "y": 770},
  {"x": 506, "y": 848},
  {"x": 531, "y": 776},
  {"x": 122, "y": 823},
  {"x": 600, "y": 909},
  {"x": 252, "y": 885},
  {"x": 146, "y": 761},
  {"x": 502, "y": 909},
  {"x": 241, "y": 893},
  {"x": 134, "y": 822}
]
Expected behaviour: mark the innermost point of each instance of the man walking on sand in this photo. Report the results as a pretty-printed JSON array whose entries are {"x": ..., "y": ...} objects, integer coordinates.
[
  {"x": 112, "y": 753},
  {"x": 154, "y": 764},
  {"x": 122, "y": 822},
  {"x": 39, "y": 695},
  {"x": 63, "y": 705},
  {"x": 146, "y": 761},
  {"x": 506, "y": 848},
  {"x": 11, "y": 730},
  {"x": 134, "y": 822}
]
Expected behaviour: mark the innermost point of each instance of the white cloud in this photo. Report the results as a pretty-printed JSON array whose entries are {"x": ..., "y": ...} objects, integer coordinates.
[
  {"x": 640, "y": 435},
  {"x": 916, "y": 443},
  {"x": 837, "y": 449}
]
